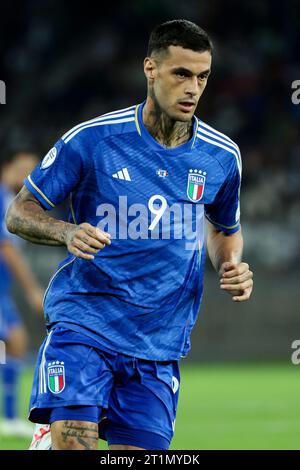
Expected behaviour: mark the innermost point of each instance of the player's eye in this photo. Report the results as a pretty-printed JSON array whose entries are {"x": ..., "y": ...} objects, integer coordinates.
[
  {"x": 203, "y": 77},
  {"x": 181, "y": 74}
]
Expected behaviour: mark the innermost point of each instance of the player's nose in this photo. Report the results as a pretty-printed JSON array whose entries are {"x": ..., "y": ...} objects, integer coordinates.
[{"x": 192, "y": 87}]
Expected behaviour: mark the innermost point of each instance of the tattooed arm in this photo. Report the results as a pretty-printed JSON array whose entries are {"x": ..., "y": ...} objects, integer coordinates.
[{"x": 27, "y": 219}]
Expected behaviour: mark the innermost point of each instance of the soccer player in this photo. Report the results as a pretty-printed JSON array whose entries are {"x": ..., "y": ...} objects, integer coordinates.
[
  {"x": 120, "y": 308},
  {"x": 12, "y": 266}
]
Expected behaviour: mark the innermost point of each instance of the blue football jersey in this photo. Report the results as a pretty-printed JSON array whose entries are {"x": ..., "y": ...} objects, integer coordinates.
[{"x": 141, "y": 295}]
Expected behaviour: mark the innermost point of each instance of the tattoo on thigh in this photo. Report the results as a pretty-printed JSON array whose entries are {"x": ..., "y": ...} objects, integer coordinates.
[{"x": 85, "y": 434}]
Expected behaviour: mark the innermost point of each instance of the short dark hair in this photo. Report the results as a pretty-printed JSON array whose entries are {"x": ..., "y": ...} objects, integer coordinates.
[{"x": 179, "y": 33}]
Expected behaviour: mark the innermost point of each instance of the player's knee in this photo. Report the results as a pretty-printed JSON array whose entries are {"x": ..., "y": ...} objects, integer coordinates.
[{"x": 74, "y": 435}]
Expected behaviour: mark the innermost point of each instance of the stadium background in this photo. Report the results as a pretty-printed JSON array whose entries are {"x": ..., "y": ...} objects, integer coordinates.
[{"x": 64, "y": 63}]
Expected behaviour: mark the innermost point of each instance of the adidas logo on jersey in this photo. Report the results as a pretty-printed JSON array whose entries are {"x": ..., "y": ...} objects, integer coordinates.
[{"x": 122, "y": 175}]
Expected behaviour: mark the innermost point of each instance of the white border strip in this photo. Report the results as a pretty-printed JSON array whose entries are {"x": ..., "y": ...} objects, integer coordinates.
[
  {"x": 116, "y": 121},
  {"x": 218, "y": 144},
  {"x": 220, "y": 139},
  {"x": 203, "y": 124},
  {"x": 120, "y": 110},
  {"x": 98, "y": 119}
]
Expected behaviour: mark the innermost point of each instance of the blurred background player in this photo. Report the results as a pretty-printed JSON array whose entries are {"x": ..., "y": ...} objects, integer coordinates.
[{"x": 13, "y": 267}]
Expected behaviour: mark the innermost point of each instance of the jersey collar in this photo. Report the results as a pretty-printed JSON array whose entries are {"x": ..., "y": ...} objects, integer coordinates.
[{"x": 145, "y": 134}]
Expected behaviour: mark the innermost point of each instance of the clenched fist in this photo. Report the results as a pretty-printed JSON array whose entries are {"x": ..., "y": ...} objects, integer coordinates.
[
  {"x": 85, "y": 240},
  {"x": 237, "y": 280}
]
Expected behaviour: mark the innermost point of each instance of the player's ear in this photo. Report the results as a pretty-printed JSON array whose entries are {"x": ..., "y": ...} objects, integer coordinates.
[{"x": 149, "y": 68}]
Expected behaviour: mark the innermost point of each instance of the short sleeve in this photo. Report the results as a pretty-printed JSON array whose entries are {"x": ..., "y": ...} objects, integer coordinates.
[
  {"x": 224, "y": 213},
  {"x": 57, "y": 175}
]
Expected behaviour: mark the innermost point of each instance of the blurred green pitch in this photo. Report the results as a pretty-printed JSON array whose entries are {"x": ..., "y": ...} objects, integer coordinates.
[{"x": 244, "y": 406}]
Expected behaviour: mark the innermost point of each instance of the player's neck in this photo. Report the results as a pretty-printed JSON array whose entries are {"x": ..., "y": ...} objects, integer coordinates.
[{"x": 166, "y": 131}]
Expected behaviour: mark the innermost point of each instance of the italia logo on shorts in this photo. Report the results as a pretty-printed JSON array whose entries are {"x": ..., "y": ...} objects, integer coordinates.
[
  {"x": 196, "y": 184},
  {"x": 56, "y": 376}
]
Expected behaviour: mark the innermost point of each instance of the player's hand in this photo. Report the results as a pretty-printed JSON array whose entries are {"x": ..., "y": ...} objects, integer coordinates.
[
  {"x": 84, "y": 240},
  {"x": 237, "y": 280}
]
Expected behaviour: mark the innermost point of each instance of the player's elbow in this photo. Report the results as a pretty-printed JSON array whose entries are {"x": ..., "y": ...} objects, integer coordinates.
[
  {"x": 14, "y": 216},
  {"x": 23, "y": 208}
]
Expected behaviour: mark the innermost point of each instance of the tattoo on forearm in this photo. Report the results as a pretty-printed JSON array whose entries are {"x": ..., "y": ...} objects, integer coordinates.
[
  {"x": 28, "y": 219},
  {"x": 86, "y": 434}
]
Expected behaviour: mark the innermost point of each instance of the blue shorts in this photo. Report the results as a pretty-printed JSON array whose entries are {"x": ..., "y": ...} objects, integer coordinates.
[
  {"x": 133, "y": 400},
  {"x": 9, "y": 316}
]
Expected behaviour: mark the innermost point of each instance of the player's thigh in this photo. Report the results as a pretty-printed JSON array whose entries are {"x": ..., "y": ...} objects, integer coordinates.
[
  {"x": 142, "y": 411},
  {"x": 74, "y": 435},
  {"x": 17, "y": 341}
]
